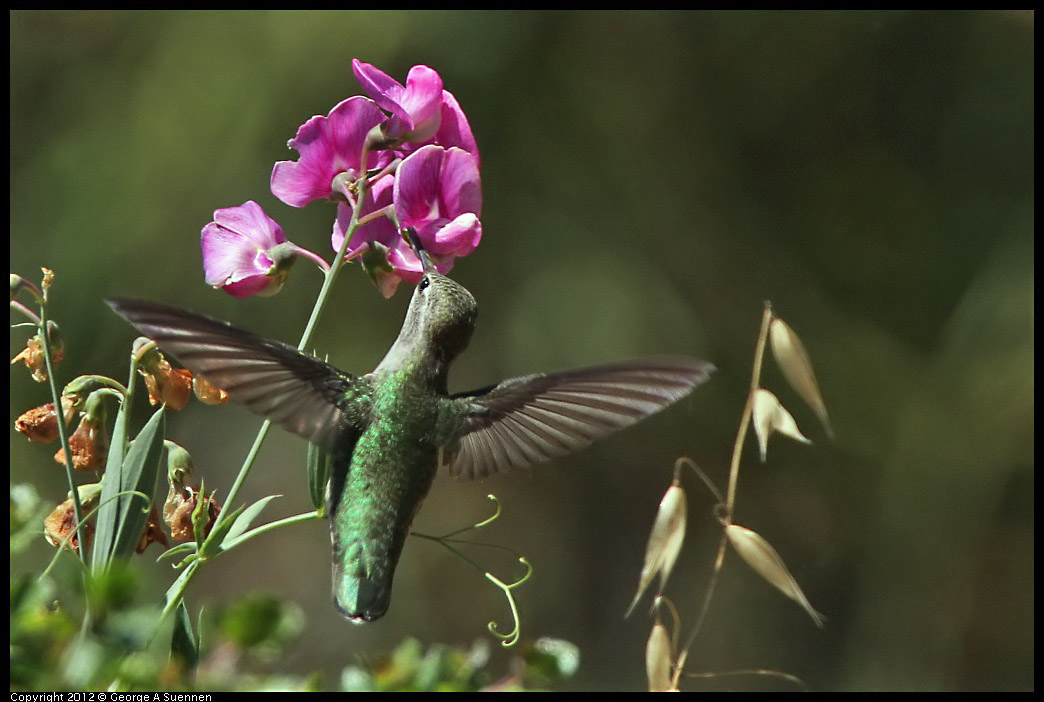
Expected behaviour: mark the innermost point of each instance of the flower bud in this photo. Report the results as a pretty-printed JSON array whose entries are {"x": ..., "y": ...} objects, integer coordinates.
[
  {"x": 40, "y": 424},
  {"x": 207, "y": 393},
  {"x": 61, "y": 522},
  {"x": 153, "y": 533},
  {"x": 33, "y": 353},
  {"x": 178, "y": 512},
  {"x": 89, "y": 444},
  {"x": 166, "y": 385},
  {"x": 179, "y": 464}
]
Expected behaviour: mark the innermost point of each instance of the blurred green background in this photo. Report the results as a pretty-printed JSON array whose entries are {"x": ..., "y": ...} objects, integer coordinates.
[{"x": 649, "y": 179}]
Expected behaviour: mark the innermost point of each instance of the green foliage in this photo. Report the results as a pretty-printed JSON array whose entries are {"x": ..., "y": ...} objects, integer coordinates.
[
  {"x": 248, "y": 641},
  {"x": 440, "y": 668}
]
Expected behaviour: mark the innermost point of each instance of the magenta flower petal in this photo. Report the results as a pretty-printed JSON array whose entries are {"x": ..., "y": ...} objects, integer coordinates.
[
  {"x": 328, "y": 146},
  {"x": 454, "y": 129},
  {"x": 408, "y": 266},
  {"x": 380, "y": 229},
  {"x": 253, "y": 285},
  {"x": 415, "y": 109},
  {"x": 456, "y": 238},
  {"x": 460, "y": 184},
  {"x": 385, "y": 90},
  {"x": 238, "y": 254},
  {"x": 417, "y": 187}
]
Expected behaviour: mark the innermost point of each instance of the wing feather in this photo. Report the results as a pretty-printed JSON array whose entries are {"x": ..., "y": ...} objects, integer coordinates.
[
  {"x": 302, "y": 394},
  {"x": 537, "y": 418}
]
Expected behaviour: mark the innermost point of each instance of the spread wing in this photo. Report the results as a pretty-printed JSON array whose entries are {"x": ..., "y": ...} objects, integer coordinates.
[
  {"x": 536, "y": 418},
  {"x": 302, "y": 394}
]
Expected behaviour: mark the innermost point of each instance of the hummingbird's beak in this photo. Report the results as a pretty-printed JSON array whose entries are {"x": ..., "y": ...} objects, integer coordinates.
[{"x": 415, "y": 242}]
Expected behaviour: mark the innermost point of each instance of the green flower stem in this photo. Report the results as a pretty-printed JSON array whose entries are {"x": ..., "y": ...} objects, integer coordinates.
[
  {"x": 314, "y": 257},
  {"x": 62, "y": 434},
  {"x": 176, "y": 592}
]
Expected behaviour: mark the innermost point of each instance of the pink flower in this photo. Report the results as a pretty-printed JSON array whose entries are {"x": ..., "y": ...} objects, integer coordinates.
[
  {"x": 245, "y": 252},
  {"x": 438, "y": 193},
  {"x": 416, "y": 110},
  {"x": 421, "y": 112},
  {"x": 328, "y": 146},
  {"x": 378, "y": 196}
]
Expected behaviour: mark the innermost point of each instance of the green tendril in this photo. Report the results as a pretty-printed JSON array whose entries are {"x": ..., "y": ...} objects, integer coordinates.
[
  {"x": 447, "y": 541},
  {"x": 509, "y": 639}
]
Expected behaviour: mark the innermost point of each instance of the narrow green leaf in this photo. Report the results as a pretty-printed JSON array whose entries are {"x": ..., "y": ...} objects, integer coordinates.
[
  {"x": 121, "y": 518},
  {"x": 183, "y": 643},
  {"x": 318, "y": 462},
  {"x": 105, "y": 530},
  {"x": 139, "y": 472},
  {"x": 176, "y": 551},
  {"x": 246, "y": 517},
  {"x": 212, "y": 545}
]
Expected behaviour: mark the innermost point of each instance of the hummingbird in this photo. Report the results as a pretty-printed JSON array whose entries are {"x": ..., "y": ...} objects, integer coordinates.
[{"x": 388, "y": 432}]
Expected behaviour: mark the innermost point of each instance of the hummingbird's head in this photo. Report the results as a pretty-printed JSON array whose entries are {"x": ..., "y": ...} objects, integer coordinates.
[{"x": 442, "y": 315}]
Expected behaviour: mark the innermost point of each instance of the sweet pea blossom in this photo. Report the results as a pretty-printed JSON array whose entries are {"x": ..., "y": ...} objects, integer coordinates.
[
  {"x": 329, "y": 146},
  {"x": 245, "y": 251},
  {"x": 381, "y": 229},
  {"x": 416, "y": 110},
  {"x": 384, "y": 255},
  {"x": 421, "y": 112},
  {"x": 438, "y": 193}
]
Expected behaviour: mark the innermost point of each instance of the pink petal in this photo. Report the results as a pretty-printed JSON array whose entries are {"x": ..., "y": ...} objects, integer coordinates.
[
  {"x": 460, "y": 184},
  {"x": 454, "y": 129},
  {"x": 250, "y": 221},
  {"x": 380, "y": 229},
  {"x": 327, "y": 145},
  {"x": 457, "y": 238},
  {"x": 385, "y": 90},
  {"x": 248, "y": 287},
  {"x": 416, "y": 187}
]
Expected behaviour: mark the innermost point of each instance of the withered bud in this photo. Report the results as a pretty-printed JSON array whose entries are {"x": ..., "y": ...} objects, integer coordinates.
[
  {"x": 60, "y": 523},
  {"x": 178, "y": 509},
  {"x": 207, "y": 393},
  {"x": 33, "y": 353},
  {"x": 40, "y": 424},
  {"x": 153, "y": 533},
  {"x": 166, "y": 385},
  {"x": 89, "y": 445}
]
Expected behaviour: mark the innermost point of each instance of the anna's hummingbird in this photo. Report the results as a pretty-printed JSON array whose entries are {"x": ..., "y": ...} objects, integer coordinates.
[{"x": 388, "y": 431}]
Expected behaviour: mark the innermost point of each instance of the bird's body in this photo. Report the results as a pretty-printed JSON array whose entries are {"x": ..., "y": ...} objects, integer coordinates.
[{"x": 390, "y": 430}]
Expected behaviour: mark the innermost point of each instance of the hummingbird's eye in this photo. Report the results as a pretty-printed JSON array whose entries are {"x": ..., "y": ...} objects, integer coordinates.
[{"x": 425, "y": 282}]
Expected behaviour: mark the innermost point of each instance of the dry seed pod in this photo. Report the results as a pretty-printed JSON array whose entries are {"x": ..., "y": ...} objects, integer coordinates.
[
  {"x": 759, "y": 555},
  {"x": 658, "y": 659},
  {"x": 771, "y": 416},
  {"x": 797, "y": 368},
  {"x": 665, "y": 541}
]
